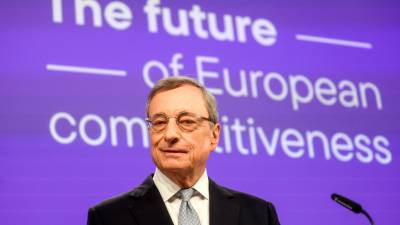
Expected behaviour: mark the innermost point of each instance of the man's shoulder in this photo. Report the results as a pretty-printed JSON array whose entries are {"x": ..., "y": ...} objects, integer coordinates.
[
  {"x": 252, "y": 209},
  {"x": 125, "y": 198},
  {"x": 243, "y": 198},
  {"x": 247, "y": 197},
  {"x": 114, "y": 203}
]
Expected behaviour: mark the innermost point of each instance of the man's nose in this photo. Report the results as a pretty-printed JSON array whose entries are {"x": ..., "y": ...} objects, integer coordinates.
[{"x": 171, "y": 134}]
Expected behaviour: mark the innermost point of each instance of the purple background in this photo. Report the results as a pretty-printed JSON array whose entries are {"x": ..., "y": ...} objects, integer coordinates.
[{"x": 44, "y": 182}]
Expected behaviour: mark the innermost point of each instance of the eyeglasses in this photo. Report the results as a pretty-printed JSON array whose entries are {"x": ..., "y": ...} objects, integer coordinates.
[{"x": 185, "y": 121}]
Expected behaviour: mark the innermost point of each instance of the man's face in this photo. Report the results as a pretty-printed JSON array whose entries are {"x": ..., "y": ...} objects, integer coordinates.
[{"x": 174, "y": 150}]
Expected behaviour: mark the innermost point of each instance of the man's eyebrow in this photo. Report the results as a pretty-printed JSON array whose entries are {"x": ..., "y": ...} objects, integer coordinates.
[
  {"x": 186, "y": 113},
  {"x": 182, "y": 113},
  {"x": 158, "y": 115}
]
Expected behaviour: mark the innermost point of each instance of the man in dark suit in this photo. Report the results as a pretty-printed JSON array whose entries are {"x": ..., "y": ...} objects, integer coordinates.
[{"x": 183, "y": 125}]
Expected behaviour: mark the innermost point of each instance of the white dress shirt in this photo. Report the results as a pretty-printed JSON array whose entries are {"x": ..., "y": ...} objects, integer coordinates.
[{"x": 200, "y": 199}]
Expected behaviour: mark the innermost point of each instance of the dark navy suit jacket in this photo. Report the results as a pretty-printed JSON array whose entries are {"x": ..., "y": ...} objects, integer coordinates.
[{"x": 144, "y": 206}]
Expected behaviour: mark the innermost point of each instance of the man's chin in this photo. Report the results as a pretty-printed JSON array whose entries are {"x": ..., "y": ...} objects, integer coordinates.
[{"x": 175, "y": 167}]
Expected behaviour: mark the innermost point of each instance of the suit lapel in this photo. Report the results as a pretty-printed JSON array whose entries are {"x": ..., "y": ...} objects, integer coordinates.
[
  {"x": 148, "y": 207},
  {"x": 223, "y": 207}
]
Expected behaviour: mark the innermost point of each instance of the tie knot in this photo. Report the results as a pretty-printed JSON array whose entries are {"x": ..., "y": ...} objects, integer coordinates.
[{"x": 186, "y": 194}]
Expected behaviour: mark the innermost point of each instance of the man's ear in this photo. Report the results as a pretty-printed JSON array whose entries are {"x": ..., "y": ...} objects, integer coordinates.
[{"x": 215, "y": 135}]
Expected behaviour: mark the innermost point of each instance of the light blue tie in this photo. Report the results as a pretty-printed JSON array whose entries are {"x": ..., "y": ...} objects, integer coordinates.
[{"x": 187, "y": 214}]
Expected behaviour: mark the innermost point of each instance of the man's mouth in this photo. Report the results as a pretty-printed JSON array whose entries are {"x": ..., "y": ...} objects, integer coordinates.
[{"x": 173, "y": 152}]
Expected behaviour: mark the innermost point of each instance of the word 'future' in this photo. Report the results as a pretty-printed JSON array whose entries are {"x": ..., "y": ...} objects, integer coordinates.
[{"x": 204, "y": 25}]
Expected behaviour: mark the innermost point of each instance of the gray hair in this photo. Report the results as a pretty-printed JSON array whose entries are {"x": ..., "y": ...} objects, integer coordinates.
[{"x": 178, "y": 81}]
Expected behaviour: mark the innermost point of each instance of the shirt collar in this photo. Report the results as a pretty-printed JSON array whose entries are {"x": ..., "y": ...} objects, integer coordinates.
[
  {"x": 201, "y": 186},
  {"x": 168, "y": 188}
]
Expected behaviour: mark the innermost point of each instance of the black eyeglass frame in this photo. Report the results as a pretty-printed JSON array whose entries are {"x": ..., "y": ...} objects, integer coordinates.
[{"x": 198, "y": 120}]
